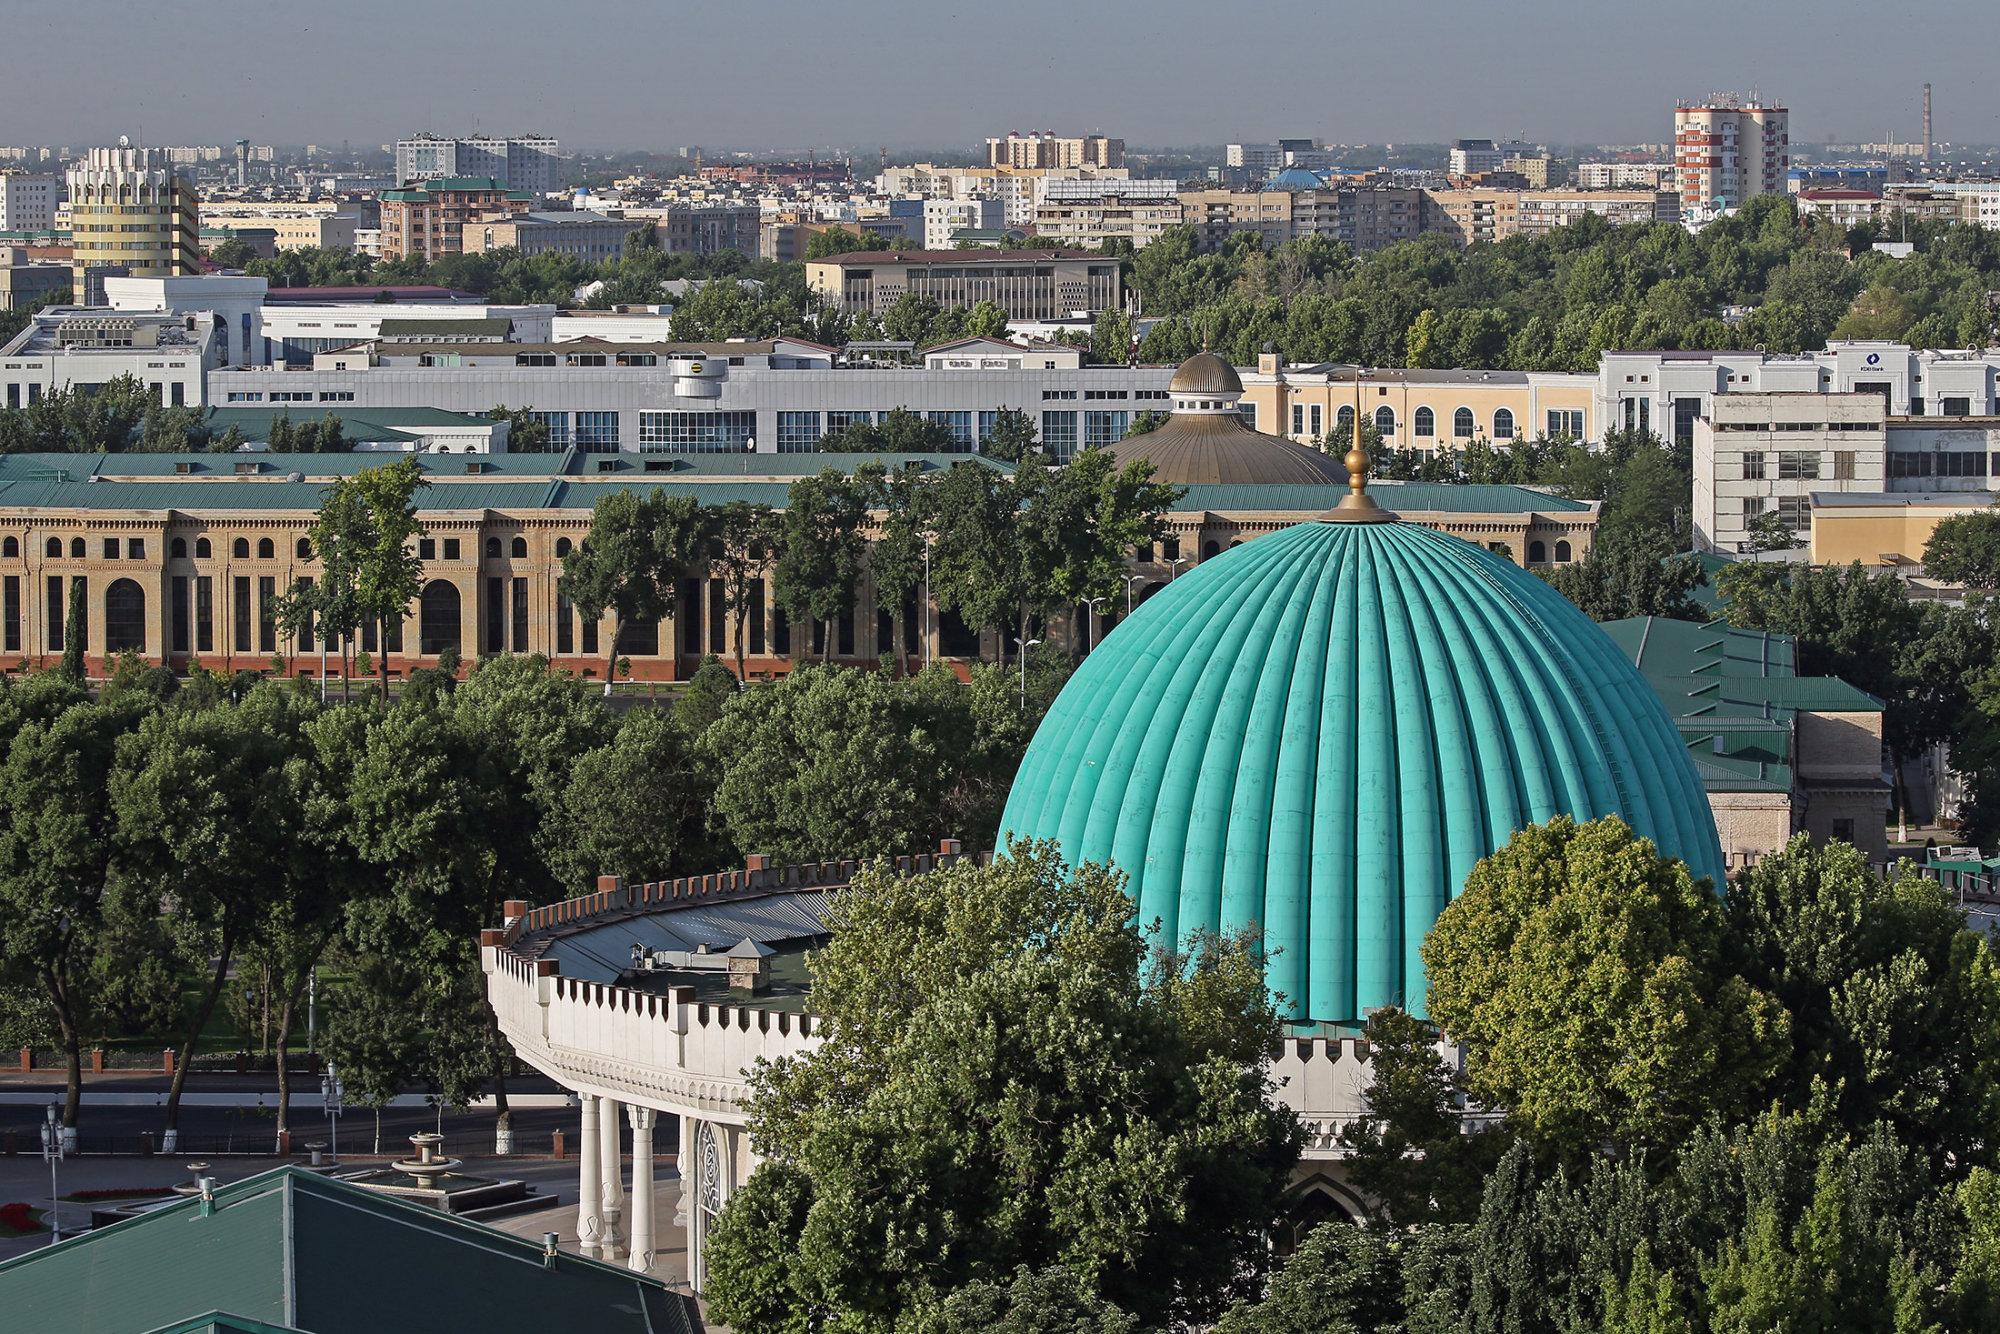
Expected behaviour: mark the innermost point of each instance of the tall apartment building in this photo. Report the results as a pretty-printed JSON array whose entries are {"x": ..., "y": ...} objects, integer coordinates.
[
  {"x": 1258, "y": 160},
  {"x": 532, "y": 163},
  {"x": 429, "y": 218},
  {"x": 1726, "y": 152},
  {"x": 131, "y": 213},
  {"x": 1044, "y": 149},
  {"x": 1470, "y": 157},
  {"x": 27, "y": 203},
  {"x": 1089, "y": 213}
]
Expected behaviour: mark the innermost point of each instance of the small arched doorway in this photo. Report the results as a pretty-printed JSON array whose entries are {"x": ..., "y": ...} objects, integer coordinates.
[
  {"x": 438, "y": 618},
  {"x": 124, "y": 618}
]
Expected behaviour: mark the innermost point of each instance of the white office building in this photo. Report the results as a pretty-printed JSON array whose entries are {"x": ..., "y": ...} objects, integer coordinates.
[
  {"x": 532, "y": 163},
  {"x": 779, "y": 396},
  {"x": 943, "y": 217},
  {"x": 1762, "y": 452},
  {"x": 28, "y": 203}
]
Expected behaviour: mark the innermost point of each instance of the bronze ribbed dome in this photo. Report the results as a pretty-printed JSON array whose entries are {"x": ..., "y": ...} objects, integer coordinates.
[
  {"x": 1205, "y": 373},
  {"x": 1203, "y": 449}
]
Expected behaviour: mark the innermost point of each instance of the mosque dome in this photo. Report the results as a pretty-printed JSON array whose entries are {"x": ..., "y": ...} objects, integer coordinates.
[
  {"x": 1205, "y": 373},
  {"x": 1205, "y": 443},
  {"x": 1320, "y": 733}
]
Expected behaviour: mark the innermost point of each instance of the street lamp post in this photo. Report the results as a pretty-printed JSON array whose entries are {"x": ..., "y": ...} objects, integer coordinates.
[
  {"x": 1130, "y": 580},
  {"x": 333, "y": 1099},
  {"x": 1090, "y": 622},
  {"x": 52, "y": 1152},
  {"x": 927, "y": 599},
  {"x": 1023, "y": 646},
  {"x": 1174, "y": 569}
]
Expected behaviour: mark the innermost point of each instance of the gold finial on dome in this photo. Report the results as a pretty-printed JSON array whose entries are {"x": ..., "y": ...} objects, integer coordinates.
[{"x": 1357, "y": 506}]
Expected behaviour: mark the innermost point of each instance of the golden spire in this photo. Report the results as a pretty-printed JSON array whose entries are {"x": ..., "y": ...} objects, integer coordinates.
[{"x": 1357, "y": 506}]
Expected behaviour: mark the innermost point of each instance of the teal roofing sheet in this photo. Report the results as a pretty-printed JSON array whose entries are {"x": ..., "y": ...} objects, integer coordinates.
[
  {"x": 1415, "y": 497},
  {"x": 1688, "y": 648}
]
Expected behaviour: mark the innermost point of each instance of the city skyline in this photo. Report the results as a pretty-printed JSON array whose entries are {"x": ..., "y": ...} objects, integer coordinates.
[{"x": 783, "y": 74}]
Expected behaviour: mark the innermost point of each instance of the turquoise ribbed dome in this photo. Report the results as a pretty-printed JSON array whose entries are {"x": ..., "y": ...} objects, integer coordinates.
[{"x": 1321, "y": 732}]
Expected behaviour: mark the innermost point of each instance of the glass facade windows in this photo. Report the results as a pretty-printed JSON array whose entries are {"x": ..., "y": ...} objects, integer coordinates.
[
  {"x": 1104, "y": 428},
  {"x": 558, "y": 424},
  {"x": 696, "y": 432},
  {"x": 961, "y": 428},
  {"x": 1059, "y": 434},
  {"x": 597, "y": 432},
  {"x": 798, "y": 432},
  {"x": 840, "y": 421}
]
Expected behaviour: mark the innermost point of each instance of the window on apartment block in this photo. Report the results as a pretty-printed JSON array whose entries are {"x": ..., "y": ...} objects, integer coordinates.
[
  {"x": 1843, "y": 465},
  {"x": 1795, "y": 512},
  {"x": 1798, "y": 465},
  {"x": 1753, "y": 467}
]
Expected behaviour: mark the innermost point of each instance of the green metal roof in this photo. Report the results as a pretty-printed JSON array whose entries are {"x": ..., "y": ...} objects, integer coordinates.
[
  {"x": 296, "y": 1250},
  {"x": 1322, "y": 731},
  {"x": 1688, "y": 648},
  {"x": 498, "y": 326},
  {"x": 1413, "y": 497}
]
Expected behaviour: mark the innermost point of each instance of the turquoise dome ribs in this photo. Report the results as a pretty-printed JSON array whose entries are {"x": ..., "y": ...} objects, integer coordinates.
[{"x": 1322, "y": 731}]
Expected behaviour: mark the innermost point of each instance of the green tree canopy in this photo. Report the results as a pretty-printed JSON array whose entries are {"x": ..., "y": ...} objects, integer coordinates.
[
  {"x": 1005, "y": 1083},
  {"x": 1589, "y": 977}
]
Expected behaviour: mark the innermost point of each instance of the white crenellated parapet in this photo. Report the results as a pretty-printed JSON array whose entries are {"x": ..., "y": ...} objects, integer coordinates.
[{"x": 1325, "y": 1080}]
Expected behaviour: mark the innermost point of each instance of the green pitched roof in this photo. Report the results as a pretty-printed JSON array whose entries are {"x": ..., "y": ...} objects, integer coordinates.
[
  {"x": 293, "y": 1249},
  {"x": 1413, "y": 497}
]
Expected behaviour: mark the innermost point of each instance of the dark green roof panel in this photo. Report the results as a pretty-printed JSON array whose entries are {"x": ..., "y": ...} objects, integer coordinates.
[{"x": 1321, "y": 732}]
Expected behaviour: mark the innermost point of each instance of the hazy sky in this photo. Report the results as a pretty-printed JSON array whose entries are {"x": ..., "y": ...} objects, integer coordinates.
[{"x": 788, "y": 74}]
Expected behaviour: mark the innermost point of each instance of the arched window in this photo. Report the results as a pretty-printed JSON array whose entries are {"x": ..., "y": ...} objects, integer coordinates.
[
  {"x": 437, "y": 618},
  {"x": 1343, "y": 417},
  {"x": 1562, "y": 551},
  {"x": 1424, "y": 423},
  {"x": 11, "y": 548},
  {"x": 1385, "y": 420},
  {"x": 305, "y": 548},
  {"x": 1503, "y": 423},
  {"x": 1210, "y": 549},
  {"x": 519, "y": 550},
  {"x": 562, "y": 547},
  {"x": 266, "y": 549},
  {"x": 178, "y": 548},
  {"x": 124, "y": 617},
  {"x": 54, "y": 548},
  {"x": 76, "y": 548},
  {"x": 201, "y": 548},
  {"x": 241, "y": 548},
  {"x": 1462, "y": 424},
  {"x": 1537, "y": 552},
  {"x": 493, "y": 548}
]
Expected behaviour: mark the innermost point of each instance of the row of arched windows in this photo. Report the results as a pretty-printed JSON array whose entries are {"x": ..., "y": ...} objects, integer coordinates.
[
  {"x": 1423, "y": 422},
  {"x": 1538, "y": 553},
  {"x": 10, "y": 548}
]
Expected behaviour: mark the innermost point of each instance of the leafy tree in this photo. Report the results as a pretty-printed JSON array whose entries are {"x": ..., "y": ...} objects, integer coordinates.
[
  {"x": 1965, "y": 549},
  {"x": 1077, "y": 529},
  {"x": 745, "y": 539},
  {"x": 1587, "y": 974},
  {"x": 1629, "y": 578},
  {"x": 208, "y": 820},
  {"x": 1341, "y": 1280},
  {"x": 1409, "y": 1152},
  {"x": 906, "y": 500},
  {"x": 1005, "y": 1084},
  {"x": 978, "y": 568},
  {"x": 899, "y": 432},
  {"x": 57, "y": 842},
  {"x": 527, "y": 432},
  {"x": 821, "y": 548},
  {"x": 73, "y": 634},
  {"x": 387, "y": 572},
  {"x": 637, "y": 550},
  {"x": 633, "y": 806},
  {"x": 341, "y": 540},
  {"x": 1012, "y": 436},
  {"x": 838, "y": 241},
  {"x": 1894, "y": 1003}
]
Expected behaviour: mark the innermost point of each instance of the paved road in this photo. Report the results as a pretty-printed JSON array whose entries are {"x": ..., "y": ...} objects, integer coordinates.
[{"x": 233, "y": 1114}]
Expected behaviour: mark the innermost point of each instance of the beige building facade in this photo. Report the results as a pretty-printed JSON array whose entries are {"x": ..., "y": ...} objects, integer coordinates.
[
  {"x": 1027, "y": 284},
  {"x": 133, "y": 213},
  {"x": 1424, "y": 410}
]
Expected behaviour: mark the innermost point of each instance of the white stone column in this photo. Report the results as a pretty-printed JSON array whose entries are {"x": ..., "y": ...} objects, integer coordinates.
[
  {"x": 612, "y": 1174},
  {"x": 590, "y": 1181},
  {"x": 642, "y": 1119}
]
